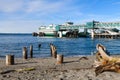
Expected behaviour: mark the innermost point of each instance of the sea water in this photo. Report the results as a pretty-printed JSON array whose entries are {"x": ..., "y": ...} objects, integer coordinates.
[{"x": 14, "y": 43}]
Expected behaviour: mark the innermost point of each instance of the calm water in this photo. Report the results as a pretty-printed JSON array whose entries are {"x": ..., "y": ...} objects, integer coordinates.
[{"x": 13, "y": 44}]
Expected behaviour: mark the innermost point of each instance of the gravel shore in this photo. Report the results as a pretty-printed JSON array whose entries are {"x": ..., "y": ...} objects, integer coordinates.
[{"x": 73, "y": 68}]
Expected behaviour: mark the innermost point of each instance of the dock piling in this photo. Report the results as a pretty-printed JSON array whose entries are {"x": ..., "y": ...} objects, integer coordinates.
[
  {"x": 59, "y": 59},
  {"x": 25, "y": 53},
  {"x": 9, "y": 59},
  {"x": 53, "y": 51},
  {"x": 31, "y": 51},
  {"x": 39, "y": 45}
]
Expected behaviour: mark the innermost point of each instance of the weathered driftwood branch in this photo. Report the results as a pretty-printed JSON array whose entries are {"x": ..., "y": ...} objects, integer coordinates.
[
  {"x": 108, "y": 67},
  {"x": 17, "y": 70},
  {"x": 25, "y": 69},
  {"x": 85, "y": 58},
  {"x": 105, "y": 62}
]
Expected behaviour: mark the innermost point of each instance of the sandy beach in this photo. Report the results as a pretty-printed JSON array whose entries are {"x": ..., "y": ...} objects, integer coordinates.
[{"x": 73, "y": 68}]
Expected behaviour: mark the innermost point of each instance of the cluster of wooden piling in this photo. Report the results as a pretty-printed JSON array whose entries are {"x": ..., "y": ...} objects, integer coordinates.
[
  {"x": 25, "y": 52},
  {"x": 72, "y": 34},
  {"x": 104, "y": 35},
  {"x": 41, "y": 34},
  {"x": 10, "y": 58},
  {"x": 58, "y": 57},
  {"x": 34, "y": 34}
]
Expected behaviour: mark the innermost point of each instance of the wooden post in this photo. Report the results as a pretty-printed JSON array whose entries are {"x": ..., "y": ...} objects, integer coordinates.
[
  {"x": 51, "y": 49},
  {"x": 54, "y": 52},
  {"x": 9, "y": 59},
  {"x": 39, "y": 45},
  {"x": 25, "y": 53},
  {"x": 59, "y": 59},
  {"x": 31, "y": 51}
]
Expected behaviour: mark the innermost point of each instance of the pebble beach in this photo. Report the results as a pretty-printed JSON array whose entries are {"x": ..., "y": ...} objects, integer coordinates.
[{"x": 72, "y": 68}]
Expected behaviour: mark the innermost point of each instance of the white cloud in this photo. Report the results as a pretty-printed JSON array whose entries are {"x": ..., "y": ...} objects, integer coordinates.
[
  {"x": 19, "y": 26},
  {"x": 117, "y": 3},
  {"x": 37, "y": 7},
  {"x": 34, "y": 6},
  {"x": 44, "y": 6},
  {"x": 10, "y": 5}
]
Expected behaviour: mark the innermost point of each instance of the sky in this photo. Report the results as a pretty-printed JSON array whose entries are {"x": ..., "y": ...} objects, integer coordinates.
[{"x": 26, "y": 16}]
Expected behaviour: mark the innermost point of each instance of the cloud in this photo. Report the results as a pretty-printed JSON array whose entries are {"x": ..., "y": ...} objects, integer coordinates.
[
  {"x": 117, "y": 3},
  {"x": 19, "y": 26},
  {"x": 43, "y": 6},
  {"x": 10, "y": 5},
  {"x": 34, "y": 9},
  {"x": 34, "y": 6}
]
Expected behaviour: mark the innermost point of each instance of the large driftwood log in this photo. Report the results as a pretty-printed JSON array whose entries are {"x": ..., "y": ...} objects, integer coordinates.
[
  {"x": 105, "y": 62},
  {"x": 108, "y": 67}
]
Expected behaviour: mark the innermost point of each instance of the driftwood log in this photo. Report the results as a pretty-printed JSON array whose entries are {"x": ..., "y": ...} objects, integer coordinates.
[{"x": 105, "y": 62}]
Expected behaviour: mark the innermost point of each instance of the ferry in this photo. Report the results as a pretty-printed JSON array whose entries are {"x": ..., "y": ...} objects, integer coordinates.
[
  {"x": 56, "y": 31},
  {"x": 47, "y": 30}
]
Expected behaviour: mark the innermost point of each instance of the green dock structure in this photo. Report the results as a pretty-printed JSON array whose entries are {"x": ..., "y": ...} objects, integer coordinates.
[{"x": 93, "y": 26}]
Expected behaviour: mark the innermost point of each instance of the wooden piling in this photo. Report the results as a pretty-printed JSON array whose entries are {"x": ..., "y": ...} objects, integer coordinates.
[
  {"x": 59, "y": 59},
  {"x": 39, "y": 45},
  {"x": 53, "y": 51},
  {"x": 35, "y": 34},
  {"x": 31, "y": 51},
  {"x": 9, "y": 59},
  {"x": 25, "y": 53}
]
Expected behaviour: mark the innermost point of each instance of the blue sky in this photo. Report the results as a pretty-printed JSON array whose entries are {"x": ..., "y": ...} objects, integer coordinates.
[{"x": 25, "y": 16}]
